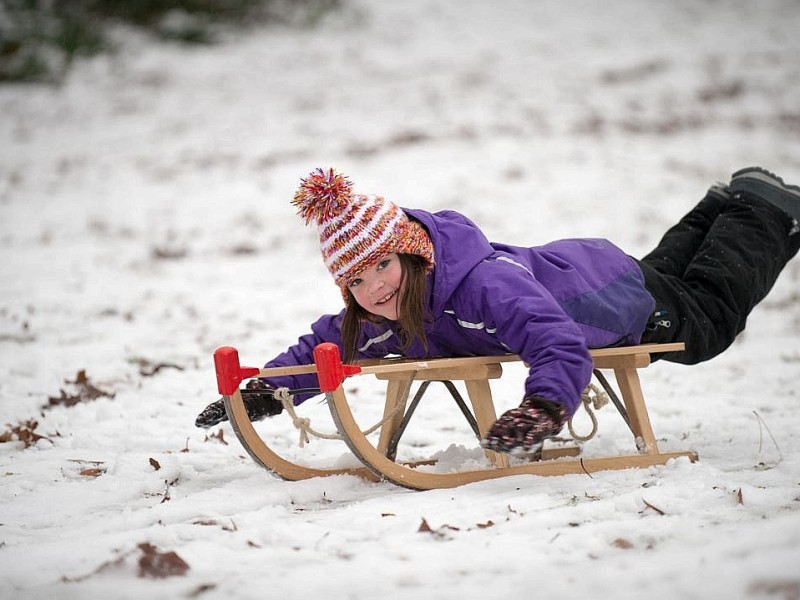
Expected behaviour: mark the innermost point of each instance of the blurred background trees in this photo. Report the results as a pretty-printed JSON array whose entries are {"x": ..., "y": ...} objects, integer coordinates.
[{"x": 39, "y": 39}]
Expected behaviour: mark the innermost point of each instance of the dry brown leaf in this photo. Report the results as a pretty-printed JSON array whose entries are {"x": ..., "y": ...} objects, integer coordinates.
[
  {"x": 488, "y": 523},
  {"x": 159, "y": 565},
  {"x": 424, "y": 527},
  {"x": 93, "y": 472},
  {"x": 216, "y": 436},
  {"x": 167, "y": 497},
  {"x": 82, "y": 390},
  {"x": 148, "y": 368},
  {"x": 439, "y": 533},
  {"x": 206, "y": 522},
  {"x": 622, "y": 543},
  {"x": 155, "y": 464},
  {"x": 165, "y": 252},
  {"x": 152, "y": 563},
  {"x": 201, "y": 589},
  {"x": 23, "y": 432}
]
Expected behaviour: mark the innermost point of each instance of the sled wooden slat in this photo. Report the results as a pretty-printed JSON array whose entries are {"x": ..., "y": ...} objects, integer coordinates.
[{"x": 475, "y": 372}]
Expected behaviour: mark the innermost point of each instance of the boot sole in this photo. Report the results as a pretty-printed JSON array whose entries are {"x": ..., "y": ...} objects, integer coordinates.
[{"x": 770, "y": 187}]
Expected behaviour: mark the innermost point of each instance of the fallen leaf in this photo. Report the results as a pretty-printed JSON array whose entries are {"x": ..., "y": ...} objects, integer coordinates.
[
  {"x": 159, "y": 565},
  {"x": 155, "y": 464},
  {"x": 441, "y": 532},
  {"x": 167, "y": 497},
  {"x": 83, "y": 390},
  {"x": 93, "y": 472},
  {"x": 201, "y": 589},
  {"x": 739, "y": 498},
  {"x": 489, "y": 523},
  {"x": 148, "y": 368},
  {"x": 622, "y": 543},
  {"x": 24, "y": 432},
  {"x": 424, "y": 527},
  {"x": 219, "y": 436},
  {"x": 168, "y": 253}
]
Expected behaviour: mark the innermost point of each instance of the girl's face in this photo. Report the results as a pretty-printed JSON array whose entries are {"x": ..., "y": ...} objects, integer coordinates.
[{"x": 378, "y": 288}]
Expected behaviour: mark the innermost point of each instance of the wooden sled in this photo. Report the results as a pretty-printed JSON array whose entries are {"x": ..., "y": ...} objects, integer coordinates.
[{"x": 475, "y": 372}]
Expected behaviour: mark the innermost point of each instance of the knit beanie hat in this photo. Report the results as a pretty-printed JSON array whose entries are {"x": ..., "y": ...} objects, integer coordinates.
[{"x": 356, "y": 231}]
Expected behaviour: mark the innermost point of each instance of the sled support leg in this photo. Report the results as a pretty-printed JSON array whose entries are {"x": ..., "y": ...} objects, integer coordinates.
[
  {"x": 476, "y": 380},
  {"x": 631, "y": 389},
  {"x": 481, "y": 397},
  {"x": 397, "y": 391}
]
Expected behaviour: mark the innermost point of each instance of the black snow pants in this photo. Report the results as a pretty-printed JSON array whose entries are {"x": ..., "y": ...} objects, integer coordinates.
[{"x": 711, "y": 269}]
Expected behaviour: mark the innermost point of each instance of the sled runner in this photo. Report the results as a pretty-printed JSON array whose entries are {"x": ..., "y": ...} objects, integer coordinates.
[{"x": 475, "y": 372}]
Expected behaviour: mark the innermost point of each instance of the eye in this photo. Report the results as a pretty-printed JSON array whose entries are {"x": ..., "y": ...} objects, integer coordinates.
[
  {"x": 354, "y": 283},
  {"x": 384, "y": 263}
]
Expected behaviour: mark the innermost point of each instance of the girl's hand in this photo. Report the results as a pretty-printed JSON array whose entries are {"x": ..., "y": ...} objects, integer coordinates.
[{"x": 259, "y": 401}]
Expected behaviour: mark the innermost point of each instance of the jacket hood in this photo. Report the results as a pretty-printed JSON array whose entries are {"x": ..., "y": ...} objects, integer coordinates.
[{"x": 459, "y": 245}]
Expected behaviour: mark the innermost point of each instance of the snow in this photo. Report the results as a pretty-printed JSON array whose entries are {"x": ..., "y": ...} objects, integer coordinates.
[{"x": 146, "y": 221}]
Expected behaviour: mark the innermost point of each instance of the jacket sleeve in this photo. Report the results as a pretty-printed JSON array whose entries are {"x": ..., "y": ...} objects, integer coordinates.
[
  {"x": 527, "y": 320},
  {"x": 326, "y": 329}
]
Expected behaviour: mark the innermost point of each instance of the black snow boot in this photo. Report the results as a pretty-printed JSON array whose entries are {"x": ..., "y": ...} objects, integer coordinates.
[{"x": 768, "y": 186}]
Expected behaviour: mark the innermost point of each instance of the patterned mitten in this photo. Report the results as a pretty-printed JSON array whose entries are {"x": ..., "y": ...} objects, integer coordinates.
[{"x": 524, "y": 429}]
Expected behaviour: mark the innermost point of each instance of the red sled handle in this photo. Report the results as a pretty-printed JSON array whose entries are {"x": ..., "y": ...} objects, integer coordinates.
[
  {"x": 330, "y": 370},
  {"x": 229, "y": 372}
]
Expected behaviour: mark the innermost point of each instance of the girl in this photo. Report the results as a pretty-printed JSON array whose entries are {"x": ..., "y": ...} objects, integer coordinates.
[{"x": 419, "y": 285}]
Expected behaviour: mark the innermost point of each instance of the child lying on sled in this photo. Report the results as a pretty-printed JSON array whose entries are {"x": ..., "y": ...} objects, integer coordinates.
[{"x": 421, "y": 285}]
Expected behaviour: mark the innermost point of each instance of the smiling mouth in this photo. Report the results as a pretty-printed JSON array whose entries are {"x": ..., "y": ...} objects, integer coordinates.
[{"x": 386, "y": 298}]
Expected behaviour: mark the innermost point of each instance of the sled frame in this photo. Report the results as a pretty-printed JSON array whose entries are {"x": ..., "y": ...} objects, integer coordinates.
[{"x": 378, "y": 459}]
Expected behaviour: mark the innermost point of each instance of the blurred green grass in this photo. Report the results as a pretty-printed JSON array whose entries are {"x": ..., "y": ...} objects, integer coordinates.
[{"x": 40, "y": 39}]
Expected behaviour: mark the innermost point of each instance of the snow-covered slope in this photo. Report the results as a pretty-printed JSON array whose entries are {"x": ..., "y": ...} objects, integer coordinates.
[{"x": 145, "y": 221}]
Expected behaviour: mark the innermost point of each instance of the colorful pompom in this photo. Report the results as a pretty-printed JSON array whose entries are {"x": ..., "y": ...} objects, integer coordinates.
[{"x": 321, "y": 195}]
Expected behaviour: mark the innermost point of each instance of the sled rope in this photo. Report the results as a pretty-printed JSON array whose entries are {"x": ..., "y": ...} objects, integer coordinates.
[
  {"x": 592, "y": 397},
  {"x": 303, "y": 424}
]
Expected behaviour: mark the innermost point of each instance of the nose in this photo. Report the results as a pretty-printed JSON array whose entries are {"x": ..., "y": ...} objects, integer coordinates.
[{"x": 377, "y": 285}]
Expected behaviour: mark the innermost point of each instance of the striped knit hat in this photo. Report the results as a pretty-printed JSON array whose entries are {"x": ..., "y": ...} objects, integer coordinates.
[{"x": 356, "y": 231}]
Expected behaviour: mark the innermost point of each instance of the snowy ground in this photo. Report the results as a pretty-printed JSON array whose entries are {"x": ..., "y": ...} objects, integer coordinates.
[{"x": 145, "y": 221}]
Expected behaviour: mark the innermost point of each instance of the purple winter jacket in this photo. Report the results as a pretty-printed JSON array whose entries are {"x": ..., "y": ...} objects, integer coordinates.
[{"x": 549, "y": 304}]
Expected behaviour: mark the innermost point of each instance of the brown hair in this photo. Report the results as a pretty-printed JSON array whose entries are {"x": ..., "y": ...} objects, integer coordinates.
[{"x": 412, "y": 310}]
